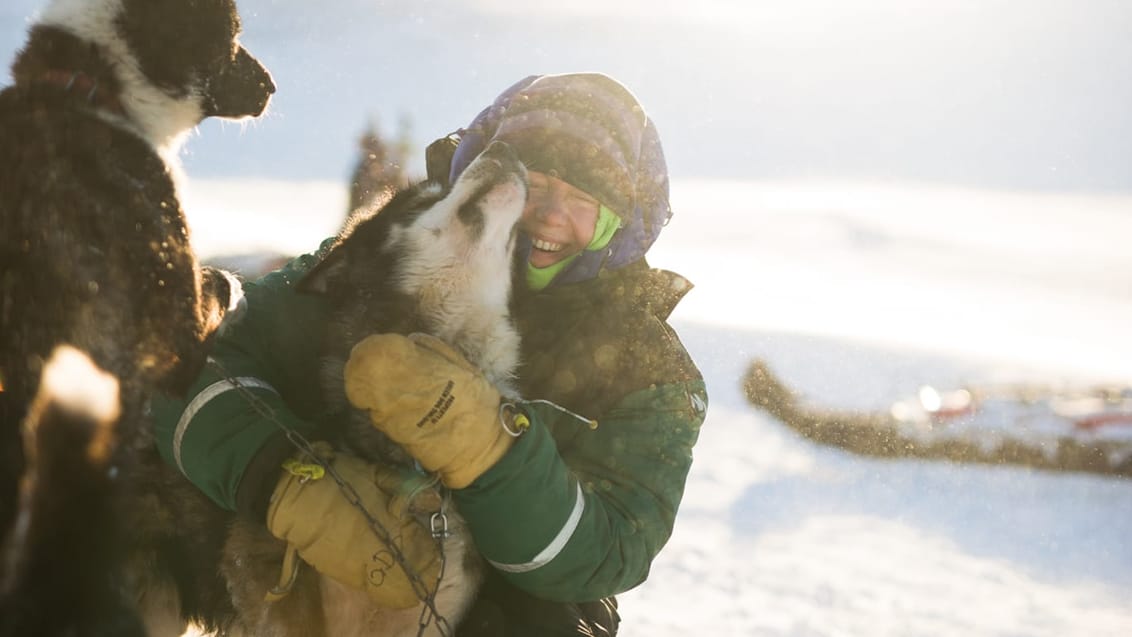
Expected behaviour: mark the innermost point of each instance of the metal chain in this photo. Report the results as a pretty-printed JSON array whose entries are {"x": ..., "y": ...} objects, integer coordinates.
[{"x": 429, "y": 612}]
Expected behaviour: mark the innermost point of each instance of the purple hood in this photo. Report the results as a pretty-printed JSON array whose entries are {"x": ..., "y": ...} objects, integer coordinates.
[{"x": 591, "y": 132}]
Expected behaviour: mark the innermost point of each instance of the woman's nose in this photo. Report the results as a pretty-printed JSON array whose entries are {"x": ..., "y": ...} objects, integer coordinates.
[{"x": 551, "y": 208}]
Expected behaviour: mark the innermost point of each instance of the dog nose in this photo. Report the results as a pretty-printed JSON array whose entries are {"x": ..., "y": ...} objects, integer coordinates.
[
  {"x": 267, "y": 83},
  {"x": 253, "y": 71}
]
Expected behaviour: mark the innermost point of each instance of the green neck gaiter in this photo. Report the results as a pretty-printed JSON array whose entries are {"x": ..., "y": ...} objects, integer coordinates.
[{"x": 607, "y": 225}]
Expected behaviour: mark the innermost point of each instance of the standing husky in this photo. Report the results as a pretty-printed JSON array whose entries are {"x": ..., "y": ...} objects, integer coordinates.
[
  {"x": 431, "y": 260},
  {"x": 95, "y": 254}
]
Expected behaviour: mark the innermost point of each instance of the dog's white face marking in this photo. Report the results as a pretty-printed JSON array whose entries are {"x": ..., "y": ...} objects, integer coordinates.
[
  {"x": 458, "y": 265},
  {"x": 163, "y": 120}
]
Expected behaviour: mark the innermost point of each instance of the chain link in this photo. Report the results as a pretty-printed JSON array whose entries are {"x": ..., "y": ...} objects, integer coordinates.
[{"x": 428, "y": 611}]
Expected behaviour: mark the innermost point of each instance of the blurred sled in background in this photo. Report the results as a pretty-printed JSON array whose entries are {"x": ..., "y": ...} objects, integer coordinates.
[{"x": 1086, "y": 429}]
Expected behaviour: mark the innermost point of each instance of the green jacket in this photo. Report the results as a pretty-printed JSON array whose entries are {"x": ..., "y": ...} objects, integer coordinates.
[{"x": 570, "y": 513}]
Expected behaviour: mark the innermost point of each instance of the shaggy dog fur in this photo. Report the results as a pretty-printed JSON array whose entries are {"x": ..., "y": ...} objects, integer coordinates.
[
  {"x": 432, "y": 260},
  {"x": 63, "y": 546},
  {"x": 95, "y": 254}
]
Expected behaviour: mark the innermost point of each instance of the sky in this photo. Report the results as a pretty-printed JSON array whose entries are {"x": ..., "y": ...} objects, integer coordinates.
[{"x": 1002, "y": 94}]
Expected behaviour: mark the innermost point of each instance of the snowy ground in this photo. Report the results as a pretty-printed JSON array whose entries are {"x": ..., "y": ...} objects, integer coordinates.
[{"x": 857, "y": 295}]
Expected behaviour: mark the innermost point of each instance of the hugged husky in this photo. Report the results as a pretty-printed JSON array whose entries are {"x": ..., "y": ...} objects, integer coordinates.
[
  {"x": 94, "y": 246},
  {"x": 435, "y": 260}
]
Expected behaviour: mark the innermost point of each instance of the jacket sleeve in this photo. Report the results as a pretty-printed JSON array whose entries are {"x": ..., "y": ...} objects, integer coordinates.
[
  {"x": 226, "y": 435},
  {"x": 583, "y": 519}
]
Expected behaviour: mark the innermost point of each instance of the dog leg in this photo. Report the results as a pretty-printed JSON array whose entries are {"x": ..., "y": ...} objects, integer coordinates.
[
  {"x": 251, "y": 566},
  {"x": 60, "y": 557}
]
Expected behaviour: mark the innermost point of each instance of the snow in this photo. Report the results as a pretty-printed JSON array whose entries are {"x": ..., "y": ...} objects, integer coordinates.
[
  {"x": 780, "y": 537},
  {"x": 857, "y": 294}
]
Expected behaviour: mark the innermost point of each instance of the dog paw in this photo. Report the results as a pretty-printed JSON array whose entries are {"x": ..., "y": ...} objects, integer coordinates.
[{"x": 224, "y": 295}]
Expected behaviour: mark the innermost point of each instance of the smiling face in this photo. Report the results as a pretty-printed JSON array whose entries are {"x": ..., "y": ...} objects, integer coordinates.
[{"x": 559, "y": 218}]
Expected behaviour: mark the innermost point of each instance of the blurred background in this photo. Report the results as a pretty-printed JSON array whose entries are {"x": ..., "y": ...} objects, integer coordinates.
[{"x": 1005, "y": 94}]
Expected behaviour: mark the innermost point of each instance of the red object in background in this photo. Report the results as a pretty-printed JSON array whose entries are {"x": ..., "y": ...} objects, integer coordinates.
[{"x": 1101, "y": 420}]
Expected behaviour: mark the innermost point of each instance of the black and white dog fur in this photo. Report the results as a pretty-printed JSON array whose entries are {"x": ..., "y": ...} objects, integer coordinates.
[
  {"x": 432, "y": 260},
  {"x": 96, "y": 266}
]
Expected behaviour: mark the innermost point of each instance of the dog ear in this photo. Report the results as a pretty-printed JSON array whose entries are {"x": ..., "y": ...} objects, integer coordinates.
[{"x": 324, "y": 276}]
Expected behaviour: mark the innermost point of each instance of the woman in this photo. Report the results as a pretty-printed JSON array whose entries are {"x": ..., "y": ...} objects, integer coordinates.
[{"x": 567, "y": 514}]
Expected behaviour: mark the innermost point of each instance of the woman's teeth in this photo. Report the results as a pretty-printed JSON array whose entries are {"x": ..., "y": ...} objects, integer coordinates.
[{"x": 546, "y": 246}]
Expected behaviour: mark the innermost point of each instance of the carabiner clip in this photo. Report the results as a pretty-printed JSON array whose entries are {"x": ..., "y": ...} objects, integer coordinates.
[{"x": 438, "y": 523}]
